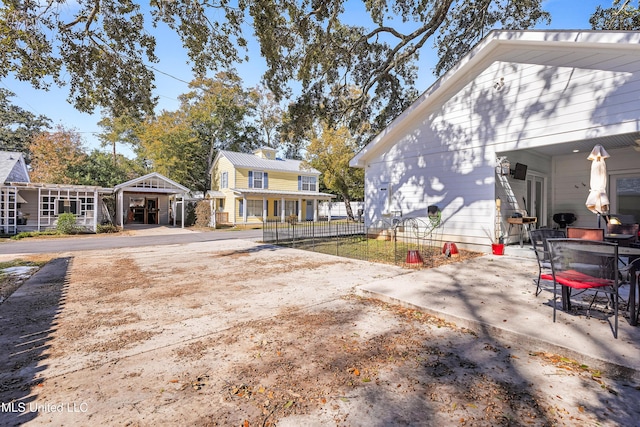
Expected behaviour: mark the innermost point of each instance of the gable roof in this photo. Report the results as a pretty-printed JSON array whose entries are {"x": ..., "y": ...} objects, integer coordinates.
[
  {"x": 598, "y": 50},
  {"x": 13, "y": 167},
  {"x": 152, "y": 183},
  {"x": 251, "y": 161}
]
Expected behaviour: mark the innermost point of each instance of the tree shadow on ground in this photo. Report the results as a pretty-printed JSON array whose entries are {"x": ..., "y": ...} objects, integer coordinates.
[{"x": 27, "y": 324}]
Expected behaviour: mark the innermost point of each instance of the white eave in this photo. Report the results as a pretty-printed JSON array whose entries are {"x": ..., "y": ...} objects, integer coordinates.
[
  {"x": 282, "y": 193},
  {"x": 152, "y": 183},
  {"x": 570, "y": 48}
]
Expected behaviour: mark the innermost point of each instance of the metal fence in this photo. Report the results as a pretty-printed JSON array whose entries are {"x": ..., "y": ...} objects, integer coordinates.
[{"x": 409, "y": 242}]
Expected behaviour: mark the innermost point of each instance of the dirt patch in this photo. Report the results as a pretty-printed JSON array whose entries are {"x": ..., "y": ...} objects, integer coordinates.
[{"x": 234, "y": 333}]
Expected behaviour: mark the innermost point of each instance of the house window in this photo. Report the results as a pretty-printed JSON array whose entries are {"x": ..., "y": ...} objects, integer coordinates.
[
  {"x": 290, "y": 207},
  {"x": 86, "y": 205},
  {"x": 258, "y": 179},
  {"x": 67, "y": 206},
  {"x": 307, "y": 183},
  {"x": 275, "y": 208},
  {"x": 254, "y": 208},
  {"x": 224, "y": 180},
  {"x": 48, "y": 206}
]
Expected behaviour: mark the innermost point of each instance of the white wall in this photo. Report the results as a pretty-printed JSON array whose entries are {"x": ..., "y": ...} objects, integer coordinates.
[{"x": 446, "y": 155}]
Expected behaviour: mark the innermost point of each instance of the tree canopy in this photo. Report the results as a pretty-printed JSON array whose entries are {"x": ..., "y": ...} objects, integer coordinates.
[
  {"x": 213, "y": 115},
  {"x": 55, "y": 155},
  {"x": 18, "y": 126},
  {"x": 620, "y": 16},
  {"x": 330, "y": 152},
  {"x": 105, "y": 47}
]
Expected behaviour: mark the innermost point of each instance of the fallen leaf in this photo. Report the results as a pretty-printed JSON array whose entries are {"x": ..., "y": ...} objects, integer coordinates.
[{"x": 288, "y": 404}]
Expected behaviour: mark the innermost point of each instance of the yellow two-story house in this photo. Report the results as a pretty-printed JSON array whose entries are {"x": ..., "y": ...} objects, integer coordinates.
[{"x": 259, "y": 187}]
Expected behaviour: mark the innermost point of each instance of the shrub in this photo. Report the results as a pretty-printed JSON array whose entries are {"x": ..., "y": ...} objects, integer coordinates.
[
  {"x": 67, "y": 224},
  {"x": 203, "y": 213},
  {"x": 190, "y": 213},
  {"x": 107, "y": 228}
]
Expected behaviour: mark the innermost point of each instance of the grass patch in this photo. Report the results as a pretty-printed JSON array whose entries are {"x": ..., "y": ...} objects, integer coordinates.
[
  {"x": 27, "y": 234},
  {"x": 380, "y": 251},
  {"x": 21, "y": 263}
]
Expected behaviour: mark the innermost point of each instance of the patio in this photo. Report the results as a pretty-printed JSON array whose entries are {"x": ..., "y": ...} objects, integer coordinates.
[{"x": 495, "y": 295}]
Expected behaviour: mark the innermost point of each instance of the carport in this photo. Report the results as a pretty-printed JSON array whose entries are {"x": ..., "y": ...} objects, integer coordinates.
[{"x": 152, "y": 199}]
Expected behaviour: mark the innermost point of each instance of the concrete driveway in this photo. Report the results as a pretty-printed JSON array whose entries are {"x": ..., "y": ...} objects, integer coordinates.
[{"x": 233, "y": 332}]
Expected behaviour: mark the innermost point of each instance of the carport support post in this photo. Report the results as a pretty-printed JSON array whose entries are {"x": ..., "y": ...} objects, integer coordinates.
[{"x": 182, "y": 203}]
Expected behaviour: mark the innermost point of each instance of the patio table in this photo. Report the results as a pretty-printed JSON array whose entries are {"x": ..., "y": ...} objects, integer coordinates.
[
  {"x": 523, "y": 223},
  {"x": 631, "y": 254},
  {"x": 621, "y": 239}
]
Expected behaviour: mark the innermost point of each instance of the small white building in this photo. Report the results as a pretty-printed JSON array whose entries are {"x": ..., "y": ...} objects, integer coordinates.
[{"x": 539, "y": 100}]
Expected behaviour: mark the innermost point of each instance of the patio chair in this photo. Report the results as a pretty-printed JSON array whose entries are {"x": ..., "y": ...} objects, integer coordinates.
[
  {"x": 585, "y": 233},
  {"x": 581, "y": 265},
  {"x": 631, "y": 229},
  {"x": 539, "y": 245}
]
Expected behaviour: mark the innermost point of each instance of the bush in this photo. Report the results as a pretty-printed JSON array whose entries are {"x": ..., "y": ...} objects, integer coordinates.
[
  {"x": 107, "y": 228},
  {"x": 203, "y": 213},
  {"x": 190, "y": 213},
  {"x": 67, "y": 224}
]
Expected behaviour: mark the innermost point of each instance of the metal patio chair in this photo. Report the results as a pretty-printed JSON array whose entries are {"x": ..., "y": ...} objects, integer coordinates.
[
  {"x": 580, "y": 265},
  {"x": 539, "y": 245}
]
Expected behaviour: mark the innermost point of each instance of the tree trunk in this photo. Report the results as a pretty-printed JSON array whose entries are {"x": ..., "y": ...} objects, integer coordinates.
[{"x": 347, "y": 206}]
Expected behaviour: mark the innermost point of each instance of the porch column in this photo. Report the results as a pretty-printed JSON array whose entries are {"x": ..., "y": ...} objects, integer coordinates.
[
  {"x": 265, "y": 205},
  {"x": 329, "y": 211},
  {"x": 244, "y": 209},
  {"x": 212, "y": 207},
  {"x": 182, "y": 203},
  {"x": 299, "y": 210},
  {"x": 40, "y": 207},
  {"x": 95, "y": 211},
  {"x": 120, "y": 208},
  {"x": 315, "y": 210},
  {"x": 282, "y": 210}
]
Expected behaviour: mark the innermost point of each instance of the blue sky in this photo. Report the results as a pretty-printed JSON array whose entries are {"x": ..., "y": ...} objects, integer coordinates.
[{"x": 566, "y": 14}]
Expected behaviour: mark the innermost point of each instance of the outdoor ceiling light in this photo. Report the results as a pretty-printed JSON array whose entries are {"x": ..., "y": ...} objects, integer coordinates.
[{"x": 504, "y": 166}]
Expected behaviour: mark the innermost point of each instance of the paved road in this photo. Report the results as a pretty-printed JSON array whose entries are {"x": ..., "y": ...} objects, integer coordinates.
[{"x": 95, "y": 242}]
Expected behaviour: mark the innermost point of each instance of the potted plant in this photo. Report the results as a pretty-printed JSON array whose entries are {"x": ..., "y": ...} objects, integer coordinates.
[{"x": 498, "y": 248}]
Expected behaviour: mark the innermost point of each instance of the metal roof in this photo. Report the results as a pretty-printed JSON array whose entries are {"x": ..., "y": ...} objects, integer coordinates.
[{"x": 252, "y": 161}]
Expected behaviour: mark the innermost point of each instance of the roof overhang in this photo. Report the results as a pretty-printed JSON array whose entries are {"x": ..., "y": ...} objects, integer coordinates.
[
  {"x": 280, "y": 193},
  {"x": 152, "y": 183},
  {"x": 552, "y": 48},
  {"x": 58, "y": 187}
]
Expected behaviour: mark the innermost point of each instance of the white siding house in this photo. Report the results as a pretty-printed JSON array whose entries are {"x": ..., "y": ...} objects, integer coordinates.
[{"x": 539, "y": 98}]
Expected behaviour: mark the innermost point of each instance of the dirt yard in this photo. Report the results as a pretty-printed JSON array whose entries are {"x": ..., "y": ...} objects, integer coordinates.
[{"x": 233, "y": 333}]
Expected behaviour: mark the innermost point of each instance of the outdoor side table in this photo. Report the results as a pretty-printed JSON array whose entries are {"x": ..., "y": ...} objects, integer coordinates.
[{"x": 523, "y": 223}]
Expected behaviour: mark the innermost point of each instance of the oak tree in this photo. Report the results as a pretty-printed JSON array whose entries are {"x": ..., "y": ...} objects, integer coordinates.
[{"x": 317, "y": 49}]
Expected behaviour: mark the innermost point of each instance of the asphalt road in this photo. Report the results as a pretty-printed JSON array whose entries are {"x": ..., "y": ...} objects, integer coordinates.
[{"x": 96, "y": 242}]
